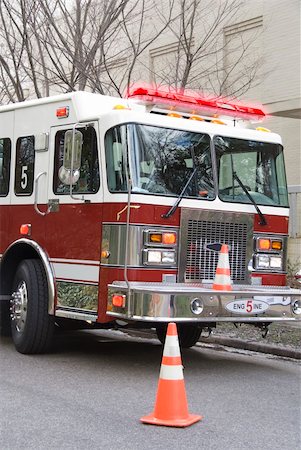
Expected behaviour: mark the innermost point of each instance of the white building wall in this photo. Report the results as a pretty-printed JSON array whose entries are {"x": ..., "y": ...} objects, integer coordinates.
[{"x": 282, "y": 53}]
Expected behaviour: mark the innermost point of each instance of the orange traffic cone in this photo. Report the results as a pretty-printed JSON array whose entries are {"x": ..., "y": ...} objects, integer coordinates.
[
  {"x": 222, "y": 280},
  {"x": 171, "y": 403}
]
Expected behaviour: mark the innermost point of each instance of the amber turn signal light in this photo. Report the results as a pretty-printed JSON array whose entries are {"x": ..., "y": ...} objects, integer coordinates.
[
  {"x": 105, "y": 254},
  {"x": 277, "y": 245},
  {"x": 155, "y": 237},
  {"x": 169, "y": 238},
  {"x": 162, "y": 237},
  {"x": 264, "y": 244}
]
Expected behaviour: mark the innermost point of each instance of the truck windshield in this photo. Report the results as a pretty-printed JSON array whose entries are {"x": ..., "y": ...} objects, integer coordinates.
[
  {"x": 259, "y": 166},
  {"x": 163, "y": 159}
]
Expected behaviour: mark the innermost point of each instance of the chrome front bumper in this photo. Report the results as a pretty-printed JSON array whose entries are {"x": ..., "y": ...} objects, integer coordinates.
[{"x": 160, "y": 302}]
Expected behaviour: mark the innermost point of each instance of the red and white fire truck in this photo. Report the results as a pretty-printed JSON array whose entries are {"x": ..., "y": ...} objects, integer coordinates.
[{"x": 113, "y": 211}]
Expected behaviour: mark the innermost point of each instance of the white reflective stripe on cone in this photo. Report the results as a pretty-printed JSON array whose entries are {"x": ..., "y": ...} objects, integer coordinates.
[
  {"x": 223, "y": 261},
  {"x": 171, "y": 347},
  {"x": 171, "y": 372},
  {"x": 222, "y": 279}
]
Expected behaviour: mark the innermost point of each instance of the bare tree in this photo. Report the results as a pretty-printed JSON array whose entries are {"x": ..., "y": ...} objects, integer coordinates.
[
  {"x": 75, "y": 40},
  {"x": 12, "y": 54},
  {"x": 200, "y": 53},
  {"x": 136, "y": 34},
  {"x": 125, "y": 56},
  {"x": 54, "y": 45},
  {"x": 202, "y": 56},
  {"x": 105, "y": 45}
]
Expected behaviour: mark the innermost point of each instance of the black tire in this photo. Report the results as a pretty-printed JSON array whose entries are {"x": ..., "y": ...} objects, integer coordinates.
[
  {"x": 188, "y": 334},
  {"x": 32, "y": 327}
]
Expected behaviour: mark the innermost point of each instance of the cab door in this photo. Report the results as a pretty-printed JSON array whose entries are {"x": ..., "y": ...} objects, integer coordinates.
[{"x": 73, "y": 226}]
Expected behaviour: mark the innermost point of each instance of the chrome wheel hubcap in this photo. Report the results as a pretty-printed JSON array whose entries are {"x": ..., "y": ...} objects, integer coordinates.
[{"x": 18, "y": 306}]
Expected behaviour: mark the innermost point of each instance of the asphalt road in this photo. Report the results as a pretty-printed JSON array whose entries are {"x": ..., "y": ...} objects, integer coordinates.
[{"x": 91, "y": 392}]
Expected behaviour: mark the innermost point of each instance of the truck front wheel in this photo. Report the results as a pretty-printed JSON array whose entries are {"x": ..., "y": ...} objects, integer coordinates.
[
  {"x": 188, "y": 334},
  {"x": 32, "y": 327}
]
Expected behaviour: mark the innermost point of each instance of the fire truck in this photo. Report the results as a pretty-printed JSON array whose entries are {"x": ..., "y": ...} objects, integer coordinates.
[{"x": 113, "y": 212}]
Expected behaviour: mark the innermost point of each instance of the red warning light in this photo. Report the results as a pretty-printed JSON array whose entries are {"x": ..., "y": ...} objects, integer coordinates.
[
  {"x": 62, "y": 113},
  {"x": 193, "y": 101}
]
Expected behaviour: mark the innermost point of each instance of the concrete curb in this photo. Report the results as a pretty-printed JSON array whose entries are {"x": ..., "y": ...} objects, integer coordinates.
[{"x": 252, "y": 346}]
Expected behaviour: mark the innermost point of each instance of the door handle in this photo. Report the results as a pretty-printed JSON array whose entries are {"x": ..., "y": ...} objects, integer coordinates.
[{"x": 36, "y": 182}]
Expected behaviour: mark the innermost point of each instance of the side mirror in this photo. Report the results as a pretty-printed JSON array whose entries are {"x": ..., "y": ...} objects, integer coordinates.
[{"x": 72, "y": 157}]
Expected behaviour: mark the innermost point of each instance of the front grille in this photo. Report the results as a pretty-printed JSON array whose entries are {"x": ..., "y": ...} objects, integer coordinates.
[{"x": 199, "y": 262}]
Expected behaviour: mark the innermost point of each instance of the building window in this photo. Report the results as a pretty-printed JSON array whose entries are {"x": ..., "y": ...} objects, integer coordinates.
[
  {"x": 167, "y": 63},
  {"x": 243, "y": 58}
]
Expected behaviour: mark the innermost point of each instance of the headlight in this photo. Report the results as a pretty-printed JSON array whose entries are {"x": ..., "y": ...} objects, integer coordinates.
[
  {"x": 268, "y": 262},
  {"x": 159, "y": 257},
  {"x": 168, "y": 257},
  {"x": 263, "y": 262},
  {"x": 154, "y": 256},
  {"x": 276, "y": 262},
  {"x": 269, "y": 253},
  {"x": 160, "y": 247}
]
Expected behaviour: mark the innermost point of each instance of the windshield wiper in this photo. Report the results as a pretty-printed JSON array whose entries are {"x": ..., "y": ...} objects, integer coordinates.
[
  {"x": 262, "y": 218},
  {"x": 174, "y": 207}
]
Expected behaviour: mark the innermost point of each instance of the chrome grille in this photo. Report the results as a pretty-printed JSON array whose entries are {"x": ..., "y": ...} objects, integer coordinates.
[{"x": 199, "y": 262}]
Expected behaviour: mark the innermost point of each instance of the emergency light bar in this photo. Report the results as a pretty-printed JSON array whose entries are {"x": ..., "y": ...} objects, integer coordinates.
[{"x": 192, "y": 102}]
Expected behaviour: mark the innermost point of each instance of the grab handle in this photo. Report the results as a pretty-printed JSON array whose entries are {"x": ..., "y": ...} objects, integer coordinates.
[{"x": 36, "y": 196}]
